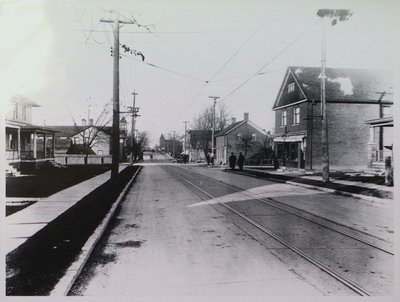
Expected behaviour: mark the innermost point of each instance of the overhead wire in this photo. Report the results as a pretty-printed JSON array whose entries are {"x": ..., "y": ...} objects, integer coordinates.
[{"x": 269, "y": 62}]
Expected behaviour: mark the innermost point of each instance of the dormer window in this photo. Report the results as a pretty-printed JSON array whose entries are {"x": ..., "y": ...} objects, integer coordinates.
[{"x": 290, "y": 87}]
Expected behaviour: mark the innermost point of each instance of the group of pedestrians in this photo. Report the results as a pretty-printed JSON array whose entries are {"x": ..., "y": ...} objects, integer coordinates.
[{"x": 233, "y": 160}]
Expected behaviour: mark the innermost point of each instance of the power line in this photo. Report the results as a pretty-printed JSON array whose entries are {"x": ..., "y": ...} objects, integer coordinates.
[
  {"x": 269, "y": 62},
  {"x": 237, "y": 51}
]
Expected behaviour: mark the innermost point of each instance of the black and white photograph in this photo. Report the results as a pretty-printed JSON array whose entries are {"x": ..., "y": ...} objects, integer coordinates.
[{"x": 187, "y": 150}]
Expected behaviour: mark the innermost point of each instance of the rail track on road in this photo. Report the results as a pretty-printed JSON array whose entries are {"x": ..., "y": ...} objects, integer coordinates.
[{"x": 360, "y": 261}]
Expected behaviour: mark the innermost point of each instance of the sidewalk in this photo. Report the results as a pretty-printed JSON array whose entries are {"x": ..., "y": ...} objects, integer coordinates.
[
  {"x": 25, "y": 223},
  {"x": 349, "y": 187}
]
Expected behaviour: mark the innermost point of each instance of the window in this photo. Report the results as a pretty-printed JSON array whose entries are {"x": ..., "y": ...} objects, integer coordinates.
[
  {"x": 253, "y": 137},
  {"x": 239, "y": 136},
  {"x": 15, "y": 113},
  {"x": 290, "y": 88},
  {"x": 24, "y": 113},
  {"x": 284, "y": 118},
  {"x": 76, "y": 140},
  {"x": 296, "y": 115},
  {"x": 387, "y": 111}
]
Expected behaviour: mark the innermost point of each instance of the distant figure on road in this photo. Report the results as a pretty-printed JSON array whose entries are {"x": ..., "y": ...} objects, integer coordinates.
[
  {"x": 232, "y": 161},
  {"x": 208, "y": 159},
  {"x": 240, "y": 161},
  {"x": 212, "y": 159}
]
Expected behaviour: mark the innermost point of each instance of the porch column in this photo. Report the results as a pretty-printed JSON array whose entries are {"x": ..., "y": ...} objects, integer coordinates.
[
  {"x": 371, "y": 135},
  {"x": 53, "y": 144},
  {"x": 299, "y": 155},
  {"x": 44, "y": 145},
  {"x": 19, "y": 143},
  {"x": 371, "y": 147},
  {"x": 34, "y": 144}
]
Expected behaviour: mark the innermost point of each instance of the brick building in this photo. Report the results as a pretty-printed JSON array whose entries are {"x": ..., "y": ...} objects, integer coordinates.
[
  {"x": 353, "y": 97},
  {"x": 242, "y": 136}
]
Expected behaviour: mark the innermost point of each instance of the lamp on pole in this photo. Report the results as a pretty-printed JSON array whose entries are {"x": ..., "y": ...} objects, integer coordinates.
[
  {"x": 213, "y": 121},
  {"x": 333, "y": 15}
]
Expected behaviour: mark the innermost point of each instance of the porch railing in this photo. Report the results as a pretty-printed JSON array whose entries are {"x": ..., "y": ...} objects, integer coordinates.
[{"x": 12, "y": 155}]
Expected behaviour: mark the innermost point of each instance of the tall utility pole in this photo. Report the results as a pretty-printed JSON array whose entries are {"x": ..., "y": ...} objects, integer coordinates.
[
  {"x": 134, "y": 111},
  {"x": 213, "y": 125},
  {"x": 184, "y": 146},
  {"x": 334, "y": 15},
  {"x": 173, "y": 143},
  {"x": 115, "y": 126}
]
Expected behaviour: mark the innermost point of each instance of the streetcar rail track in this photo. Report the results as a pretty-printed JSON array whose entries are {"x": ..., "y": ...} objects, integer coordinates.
[
  {"x": 338, "y": 276},
  {"x": 322, "y": 221}
]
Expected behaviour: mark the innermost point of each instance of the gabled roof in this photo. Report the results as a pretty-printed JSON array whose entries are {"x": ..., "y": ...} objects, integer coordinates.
[
  {"x": 229, "y": 128},
  {"x": 69, "y": 131},
  {"x": 342, "y": 84},
  {"x": 235, "y": 125}
]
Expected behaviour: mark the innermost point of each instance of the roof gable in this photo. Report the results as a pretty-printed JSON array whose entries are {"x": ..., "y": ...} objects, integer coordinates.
[
  {"x": 342, "y": 84},
  {"x": 236, "y": 125}
]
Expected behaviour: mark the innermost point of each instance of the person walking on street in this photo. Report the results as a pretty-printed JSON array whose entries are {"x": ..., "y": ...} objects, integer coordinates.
[
  {"x": 240, "y": 161},
  {"x": 208, "y": 159},
  {"x": 232, "y": 161}
]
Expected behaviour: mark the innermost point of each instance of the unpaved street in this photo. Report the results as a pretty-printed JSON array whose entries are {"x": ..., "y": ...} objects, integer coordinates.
[{"x": 169, "y": 240}]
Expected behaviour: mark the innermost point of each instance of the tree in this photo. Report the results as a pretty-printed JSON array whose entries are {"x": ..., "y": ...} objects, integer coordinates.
[
  {"x": 89, "y": 135},
  {"x": 204, "y": 122},
  {"x": 247, "y": 143},
  {"x": 141, "y": 142}
]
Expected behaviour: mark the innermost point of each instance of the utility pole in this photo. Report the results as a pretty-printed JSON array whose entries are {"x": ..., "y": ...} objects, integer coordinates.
[
  {"x": 334, "y": 16},
  {"x": 184, "y": 146},
  {"x": 134, "y": 114},
  {"x": 213, "y": 125},
  {"x": 173, "y": 143},
  {"x": 115, "y": 126}
]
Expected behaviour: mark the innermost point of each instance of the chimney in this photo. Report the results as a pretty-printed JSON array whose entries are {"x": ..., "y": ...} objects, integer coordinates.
[
  {"x": 90, "y": 122},
  {"x": 246, "y": 116},
  {"x": 233, "y": 120},
  {"x": 83, "y": 122}
]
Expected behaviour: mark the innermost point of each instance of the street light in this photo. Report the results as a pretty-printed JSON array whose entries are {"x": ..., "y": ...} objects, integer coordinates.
[{"x": 334, "y": 15}]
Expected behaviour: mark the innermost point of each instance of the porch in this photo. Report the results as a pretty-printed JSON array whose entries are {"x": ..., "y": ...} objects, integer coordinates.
[
  {"x": 29, "y": 143},
  {"x": 380, "y": 146}
]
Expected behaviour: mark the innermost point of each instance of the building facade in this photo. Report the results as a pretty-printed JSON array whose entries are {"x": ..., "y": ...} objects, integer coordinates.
[
  {"x": 27, "y": 145},
  {"x": 243, "y": 136},
  {"x": 352, "y": 96}
]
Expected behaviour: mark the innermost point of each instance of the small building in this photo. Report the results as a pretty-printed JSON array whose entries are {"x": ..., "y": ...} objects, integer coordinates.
[
  {"x": 199, "y": 144},
  {"x": 87, "y": 139},
  {"x": 243, "y": 136},
  {"x": 353, "y": 96},
  {"x": 27, "y": 146}
]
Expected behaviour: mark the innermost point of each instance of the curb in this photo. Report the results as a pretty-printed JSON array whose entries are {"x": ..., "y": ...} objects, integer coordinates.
[
  {"x": 338, "y": 192},
  {"x": 328, "y": 190},
  {"x": 63, "y": 287}
]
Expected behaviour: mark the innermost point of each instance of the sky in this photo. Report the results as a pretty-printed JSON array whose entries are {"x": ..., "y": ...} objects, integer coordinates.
[{"x": 57, "y": 53}]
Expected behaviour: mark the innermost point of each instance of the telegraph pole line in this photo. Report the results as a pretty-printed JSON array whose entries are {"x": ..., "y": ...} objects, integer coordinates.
[
  {"x": 184, "y": 146},
  {"x": 115, "y": 126},
  {"x": 213, "y": 121},
  {"x": 133, "y": 124}
]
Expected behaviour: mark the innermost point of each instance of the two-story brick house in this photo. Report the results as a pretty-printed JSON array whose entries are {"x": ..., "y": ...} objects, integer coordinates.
[
  {"x": 27, "y": 145},
  {"x": 353, "y": 96},
  {"x": 242, "y": 136}
]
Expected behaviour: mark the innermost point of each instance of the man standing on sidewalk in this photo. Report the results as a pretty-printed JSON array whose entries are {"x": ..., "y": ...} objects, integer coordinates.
[
  {"x": 240, "y": 161},
  {"x": 232, "y": 161}
]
